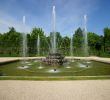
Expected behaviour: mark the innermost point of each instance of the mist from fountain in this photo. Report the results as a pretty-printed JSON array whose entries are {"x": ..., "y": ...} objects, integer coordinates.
[
  {"x": 71, "y": 46},
  {"x": 38, "y": 45},
  {"x": 53, "y": 38},
  {"x": 85, "y": 46},
  {"x": 24, "y": 43},
  {"x": 24, "y": 46},
  {"x": 71, "y": 49}
]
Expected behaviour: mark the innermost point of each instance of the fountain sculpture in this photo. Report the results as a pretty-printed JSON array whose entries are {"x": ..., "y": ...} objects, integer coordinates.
[{"x": 54, "y": 58}]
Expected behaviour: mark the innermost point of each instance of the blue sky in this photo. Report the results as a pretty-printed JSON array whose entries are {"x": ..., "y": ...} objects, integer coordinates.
[{"x": 69, "y": 15}]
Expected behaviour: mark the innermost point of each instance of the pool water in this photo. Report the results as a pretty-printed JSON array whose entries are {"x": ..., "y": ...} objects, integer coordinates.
[{"x": 72, "y": 68}]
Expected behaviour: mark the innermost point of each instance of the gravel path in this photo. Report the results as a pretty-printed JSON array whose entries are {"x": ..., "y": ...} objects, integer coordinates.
[{"x": 55, "y": 90}]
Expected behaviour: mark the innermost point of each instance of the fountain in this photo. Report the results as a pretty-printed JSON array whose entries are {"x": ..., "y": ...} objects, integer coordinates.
[
  {"x": 69, "y": 69},
  {"x": 71, "y": 49},
  {"x": 71, "y": 46},
  {"x": 54, "y": 58},
  {"x": 24, "y": 43},
  {"x": 38, "y": 45},
  {"x": 24, "y": 47},
  {"x": 85, "y": 37},
  {"x": 53, "y": 33},
  {"x": 85, "y": 47}
]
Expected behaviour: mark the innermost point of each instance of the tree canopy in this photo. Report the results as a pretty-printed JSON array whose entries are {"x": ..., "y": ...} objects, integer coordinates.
[{"x": 11, "y": 42}]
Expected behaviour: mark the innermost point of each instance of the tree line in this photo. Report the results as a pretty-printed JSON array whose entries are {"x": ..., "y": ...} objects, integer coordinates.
[{"x": 11, "y": 43}]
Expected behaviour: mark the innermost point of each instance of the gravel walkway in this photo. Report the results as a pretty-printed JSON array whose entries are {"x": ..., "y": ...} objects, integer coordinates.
[{"x": 55, "y": 90}]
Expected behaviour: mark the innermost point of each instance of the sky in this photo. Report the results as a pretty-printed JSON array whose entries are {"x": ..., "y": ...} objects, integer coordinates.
[{"x": 69, "y": 15}]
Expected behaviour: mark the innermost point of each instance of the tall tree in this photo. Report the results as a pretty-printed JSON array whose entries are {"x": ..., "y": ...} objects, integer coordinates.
[
  {"x": 65, "y": 45},
  {"x": 78, "y": 41},
  {"x": 34, "y": 36},
  {"x": 94, "y": 41},
  {"x": 107, "y": 40},
  {"x": 11, "y": 42}
]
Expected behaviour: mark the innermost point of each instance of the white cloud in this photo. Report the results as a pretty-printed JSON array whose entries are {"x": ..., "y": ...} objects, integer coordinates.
[
  {"x": 69, "y": 14},
  {"x": 7, "y": 21},
  {"x": 72, "y": 12}
]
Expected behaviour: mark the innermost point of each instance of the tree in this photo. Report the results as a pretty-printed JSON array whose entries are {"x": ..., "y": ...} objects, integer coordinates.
[
  {"x": 95, "y": 44},
  {"x": 58, "y": 40},
  {"x": 107, "y": 40},
  {"x": 65, "y": 44},
  {"x": 11, "y": 42},
  {"x": 78, "y": 41},
  {"x": 78, "y": 38},
  {"x": 34, "y": 36}
]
